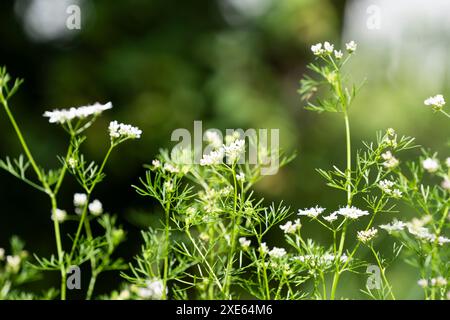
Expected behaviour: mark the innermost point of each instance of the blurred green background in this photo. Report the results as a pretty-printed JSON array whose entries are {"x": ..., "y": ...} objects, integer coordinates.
[{"x": 164, "y": 64}]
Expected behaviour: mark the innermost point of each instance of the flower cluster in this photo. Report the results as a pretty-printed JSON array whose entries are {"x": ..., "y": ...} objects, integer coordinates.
[
  {"x": 313, "y": 212},
  {"x": 431, "y": 165},
  {"x": 120, "y": 131},
  {"x": 63, "y": 116},
  {"x": 367, "y": 235},
  {"x": 291, "y": 226},
  {"x": 390, "y": 161},
  {"x": 437, "y": 102},
  {"x": 153, "y": 290},
  {"x": 327, "y": 48},
  {"x": 387, "y": 187}
]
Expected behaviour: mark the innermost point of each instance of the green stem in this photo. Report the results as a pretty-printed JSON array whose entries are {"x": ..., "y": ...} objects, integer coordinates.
[
  {"x": 235, "y": 223},
  {"x": 383, "y": 275},
  {"x": 59, "y": 248},
  {"x": 166, "y": 251},
  {"x": 24, "y": 144}
]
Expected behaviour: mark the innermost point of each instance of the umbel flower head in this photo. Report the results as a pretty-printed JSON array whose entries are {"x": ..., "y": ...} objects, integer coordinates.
[
  {"x": 65, "y": 116},
  {"x": 437, "y": 102},
  {"x": 120, "y": 132},
  {"x": 327, "y": 49}
]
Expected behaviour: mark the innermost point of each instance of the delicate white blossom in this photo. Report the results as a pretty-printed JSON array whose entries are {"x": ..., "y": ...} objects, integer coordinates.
[
  {"x": 431, "y": 165},
  {"x": 367, "y": 235},
  {"x": 351, "y": 46},
  {"x": 332, "y": 217},
  {"x": 390, "y": 161},
  {"x": 328, "y": 47},
  {"x": 66, "y": 115},
  {"x": 438, "y": 282},
  {"x": 240, "y": 177},
  {"x": 351, "y": 212},
  {"x": 96, "y": 207},
  {"x": 154, "y": 290},
  {"x": 244, "y": 242},
  {"x": 263, "y": 248},
  {"x": 423, "y": 283},
  {"x": 234, "y": 150},
  {"x": 213, "y": 138},
  {"x": 59, "y": 215},
  {"x": 437, "y": 102},
  {"x": 447, "y": 162},
  {"x": 156, "y": 163},
  {"x": 395, "y": 225},
  {"x": 215, "y": 157},
  {"x": 387, "y": 187},
  {"x": 445, "y": 184},
  {"x": 338, "y": 54},
  {"x": 13, "y": 263},
  {"x": 72, "y": 163},
  {"x": 123, "y": 131},
  {"x": 317, "y": 49},
  {"x": 311, "y": 212},
  {"x": 291, "y": 226},
  {"x": 277, "y": 252},
  {"x": 79, "y": 199}
]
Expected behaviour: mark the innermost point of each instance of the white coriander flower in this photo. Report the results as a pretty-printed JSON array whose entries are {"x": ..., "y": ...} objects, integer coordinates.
[
  {"x": 311, "y": 212},
  {"x": 2, "y": 254},
  {"x": 437, "y": 102},
  {"x": 277, "y": 252},
  {"x": 317, "y": 49},
  {"x": 328, "y": 47},
  {"x": 386, "y": 185},
  {"x": 123, "y": 131},
  {"x": 338, "y": 54},
  {"x": 79, "y": 199},
  {"x": 244, "y": 242},
  {"x": 154, "y": 290},
  {"x": 234, "y": 150},
  {"x": 447, "y": 162},
  {"x": 332, "y": 217},
  {"x": 396, "y": 225},
  {"x": 441, "y": 240},
  {"x": 263, "y": 248},
  {"x": 445, "y": 184},
  {"x": 96, "y": 207},
  {"x": 291, "y": 226},
  {"x": 396, "y": 193},
  {"x": 72, "y": 163},
  {"x": 420, "y": 232},
  {"x": 351, "y": 212},
  {"x": 66, "y": 115},
  {"x": 215, "y": 157},
  {"x": 240, "y": 176},
  {"x": 168, "y": 185},
  {"x": 390, "y": 161},
  {"x": 170, "y": 168},
  {"x": 367, "y": 235},
  {"x": 59, "y": 215},
  {"x": 351, "y": 46},
  {"x": 431, "y": 165},
  {"x": 439, "y": 282},
  {"x": 213, "y": 138},
  {"x": 156, "y": 163},
  {"x": 13, "y": 263},
  {"x": 423, "y": 283}
]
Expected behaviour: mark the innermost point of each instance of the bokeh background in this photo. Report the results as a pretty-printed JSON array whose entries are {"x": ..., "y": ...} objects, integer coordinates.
[{"x": 229, "y": 63}]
